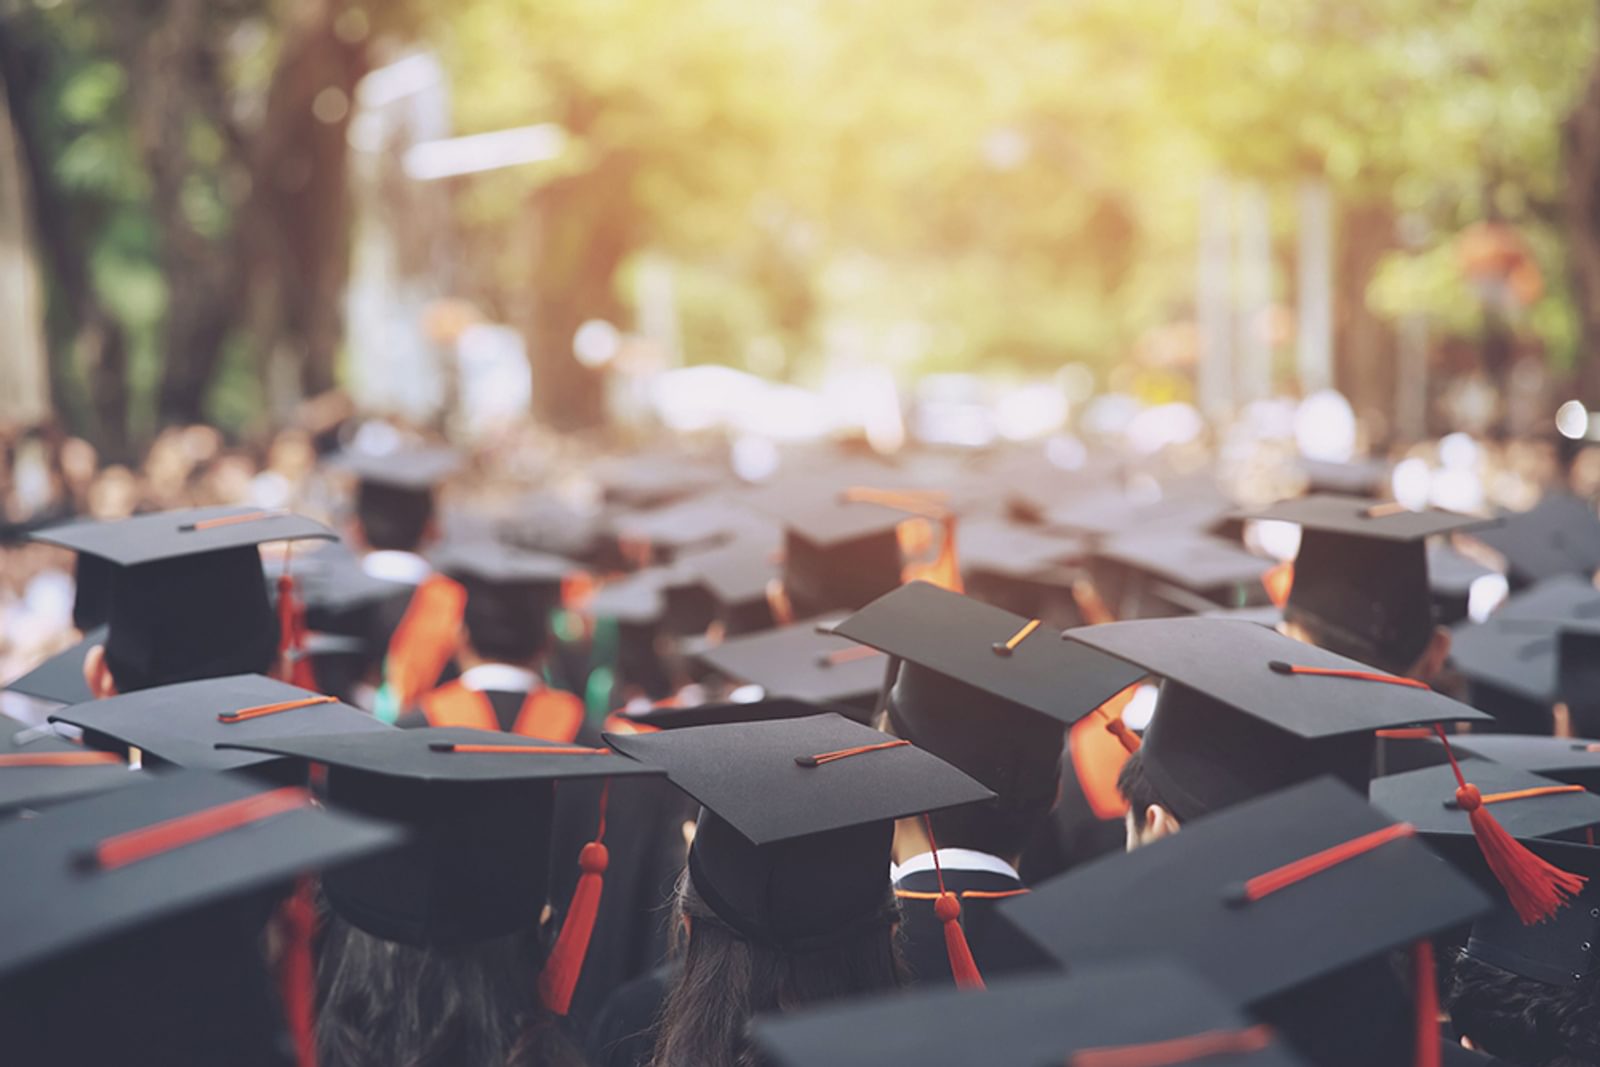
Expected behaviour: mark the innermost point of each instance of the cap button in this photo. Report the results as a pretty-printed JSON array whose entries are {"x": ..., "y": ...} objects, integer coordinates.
[{"x": 1000, "y": 648}]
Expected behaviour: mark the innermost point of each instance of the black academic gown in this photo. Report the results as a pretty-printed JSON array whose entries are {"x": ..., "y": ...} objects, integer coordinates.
[
  {"x": 623, "y": 1034},
  {"x": 997, "y": 947}
]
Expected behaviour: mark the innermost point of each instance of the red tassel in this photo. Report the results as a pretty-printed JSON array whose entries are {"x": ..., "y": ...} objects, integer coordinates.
[
  {"x": 297, "y": 918},
  {"x": 294, "y": 666},
  {"x": 963, "y": 968},
  {"x": 1537, "y": 889},
  {"x": 1119, "y": 729},
  {"x": 562, "y": 970},
  {"x": 1426, "y": 981}
]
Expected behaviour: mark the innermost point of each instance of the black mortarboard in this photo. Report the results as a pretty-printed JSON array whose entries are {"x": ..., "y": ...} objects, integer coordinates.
[
  {"x": 1361, "y": 575},
  {"x": 394, "y": 499},
  {"x": 1358, "y": 478},
  {"x": 1516, "y": 657},
  {"x": 545, "y": 522},
  {"x": 1217, "y": 570},
  {"x": 990, "y": 691},
  {"x": 838, "y": 553},
  {"x": 1013, "y": 549},
  {"x": 1566, "y": 597},
  {"x": 81, "y": 872},
  {"x": 1561, "y": 951},
  {"x": 1451, "y": 577},
  {"x": 182, "y": 724},
  {"x": 1426, "y": 799},
  {"x": 189, "y": 598},
  {"x": 674, "y": 717},
  {"x": 91, "y": 593},
  {"x": 414, "y": 469},
  {"x": 131, "y": 931},
  {"x": 1112, "y": 512},
  {"x": 1027, "y": 1022},
  {"x": 653, "y": 479},
  {"x": 38, "y": 768},
  {"x": 701, "y": 522},
  {"x": 1245, "y": 710},
  {"x": 799, "y": 661},
  {"x": 1560, "y": 535},
  {"x": 60, "y": 679},
  {"x": 1205, "y": 897},
  {"x": 797, "y": 818},
  {"x": 478, "y": 863},
  {"x": 1565, "y": 759},
  {"x": 738, "y": 577}
]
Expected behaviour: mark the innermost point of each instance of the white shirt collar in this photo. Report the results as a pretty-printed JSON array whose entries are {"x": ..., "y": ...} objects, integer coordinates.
[
  {"x": 500, "y": 677},
  {"x": 392, "y": 565},
  {"x": 954, "y": 859}
]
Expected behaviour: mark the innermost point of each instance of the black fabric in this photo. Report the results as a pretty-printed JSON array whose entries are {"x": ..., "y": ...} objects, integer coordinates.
[
  {"x": 1425, "y": 799},
  {"x": 1364, "y": 595},
  {"x": 798, "y": 662},
  {"x": 91, "y": 595},
  {"x": 1560, "y": 951},
  {"x": 38, "y": 787},
  {"x": 841, "y": 576},
  {"x": 997, "y": 947},
  {"x": 623, "y": 1034}
]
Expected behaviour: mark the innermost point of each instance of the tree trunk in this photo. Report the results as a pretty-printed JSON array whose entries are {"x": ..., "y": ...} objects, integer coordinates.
[
  {"x": 1364, "y": 368},
  {"x": 1581, "y": 145},
  {"x": 24, "y": 391}
]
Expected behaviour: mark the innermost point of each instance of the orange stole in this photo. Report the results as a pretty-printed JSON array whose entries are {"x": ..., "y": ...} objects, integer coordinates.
[
  {"x": 548, "y": 714},
  {"x": 425, "y": 639}
]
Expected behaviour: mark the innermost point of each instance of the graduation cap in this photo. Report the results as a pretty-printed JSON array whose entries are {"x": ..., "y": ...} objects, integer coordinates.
[
  {"x": 797, "y": 819},
  {"x": 38, "y": 768},
  {"x": 1245, "y": 710},
  {"x": 395, "y": 491},
  {"x": 91, "y": 593},
  {"x": 739, "y": 579},
  {"x": 1560, "y": 951},
  {"x": 838, "y": 553},
  {"x": 1152, "y": 1007},
  {"x": 1267, "y": 901},
  {"x": 676, "y": 717},
  {"x": 1452, "y": 576},
  {"x": 479, "y": 804},
  {"x": 132, "y": 920},
  {"x": 1112, "y": 512},
  {"x": 183, "y": 724},
  {"x": 510, "y": 594},
  {"x": 653, "y": 479},
  {"x": 802, "y": 661},
  {"x": 990, "y": 691},
  {"x": 1560, "y": 535},
  {"x": 991, "y": 545},
  {"x": 1361, "y": 576},
  {"x": 1565, "y": 759},
  {"x": 1356, "y": 478},
  {"x": 188, "y": 595},
  {"x": 60, "y": 679},
  {"x": 1565, "y": 597},
  {"x": 699, "y": 522},
  {"x": 1528, "y": 805},
  {"x": 1216, "y": 571}
]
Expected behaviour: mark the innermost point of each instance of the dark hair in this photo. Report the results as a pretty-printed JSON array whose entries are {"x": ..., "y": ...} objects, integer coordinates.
[
  {"x": 391, "y": 518},
  {"x": 725, "y": 980},
  {"x": 1392, "y": 657},
  {"x": 1137, "y": 789},
  {"x": 382, "y": 1004},
  {"x": 1523, "y": 1021}
]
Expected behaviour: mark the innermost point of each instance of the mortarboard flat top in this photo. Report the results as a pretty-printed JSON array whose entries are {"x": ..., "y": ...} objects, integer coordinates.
[
  {"x": 697, "y": 521},
  {"x": 1560, "y": 535},
  {"x": 428, "y": 755},
  {"x": 412, "y": 468},
  {"x": 183, "y": 723},
  {"x": 181, "y": 534},
  {"x": 967, "y": 639},
  {"x": 1113, "y": 513},
  {"x": 998, "y": 546},
  {"x": 55, "y": 901},
  {"x": 639, "y": 598},
  {"x": 1230, "y": 661},
  {"x": 1565, "y": 759},
  {"x": 1559, "y": 951},
  {"x": 1566, "y": 597},
  {"x": 1426, "y": 799},
  {"x": 734, "y": 574},
  {"x": 828, "y": 519},
  {"x": 60, "y": 678},
  {"x": 1355, "y": 517},
  {"x": 1514, "y": 655},
  {"x": 30, "y": 786},
  {"x": 1359, "y": 478},
  {"x": 797, "y": 661},
  {"x": 1022, "y": 1022},
  {"x": 670, "y": 717},
  {"x": 751, "y": 775},
  {"x": 1180, "y": 897},
  {"x": 1451, "y": 573},
  {"x": 1188, "y": 559},
  {"x": 644, "y": 480},
  {"x": 498, "y": 564}
]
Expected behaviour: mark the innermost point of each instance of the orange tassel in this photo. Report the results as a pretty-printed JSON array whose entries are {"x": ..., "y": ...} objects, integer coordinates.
[
  {"x": 1427, "y": 1001},
  {"x": 1279, "y": 582},
  {"x": 1536, "y": 888},
  {"x": 565, "y": 965},
  {"x": 298, "y": 920},
  {"x": 963, "y": 968},
  {"x": 294, "y": 666}
]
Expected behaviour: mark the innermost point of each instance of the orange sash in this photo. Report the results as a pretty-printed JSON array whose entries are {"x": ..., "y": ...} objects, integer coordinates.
[
  {"x": 425, "y": 639},
  {"x": 548, "y": 714}
]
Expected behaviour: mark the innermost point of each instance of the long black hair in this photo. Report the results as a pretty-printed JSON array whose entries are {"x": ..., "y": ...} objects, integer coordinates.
[
  {"x": 725, "y": 979},
  {"x": 385, "y": 1004}
]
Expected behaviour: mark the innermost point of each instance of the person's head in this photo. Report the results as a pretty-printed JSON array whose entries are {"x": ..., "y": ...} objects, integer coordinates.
[
  {"x": 1425, "y": 666},
  {"x": 383, "y": 1002},
  {"x": 1525, "y": 1022},
  {"x": 510, "y": 595},
  {"x": 1149, "y": 817},
  {"x": 392, "y": 518},
  {"x": 1009, "y": 749},
  {"x": 727, "y": 978}
]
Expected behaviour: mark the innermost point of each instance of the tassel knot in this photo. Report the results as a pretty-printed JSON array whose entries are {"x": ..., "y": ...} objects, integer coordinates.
[
  {"x": 594, "y": 858},
  {"x": 947, "y": 907},
  {"x": 1468, "y": 798}
]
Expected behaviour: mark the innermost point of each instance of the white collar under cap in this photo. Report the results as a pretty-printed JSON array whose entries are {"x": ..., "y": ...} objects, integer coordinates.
[
  {"x": 954, "y": 859},
  {"x": 392, "y": 565},
  {"x": 500, "y": 678}
]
